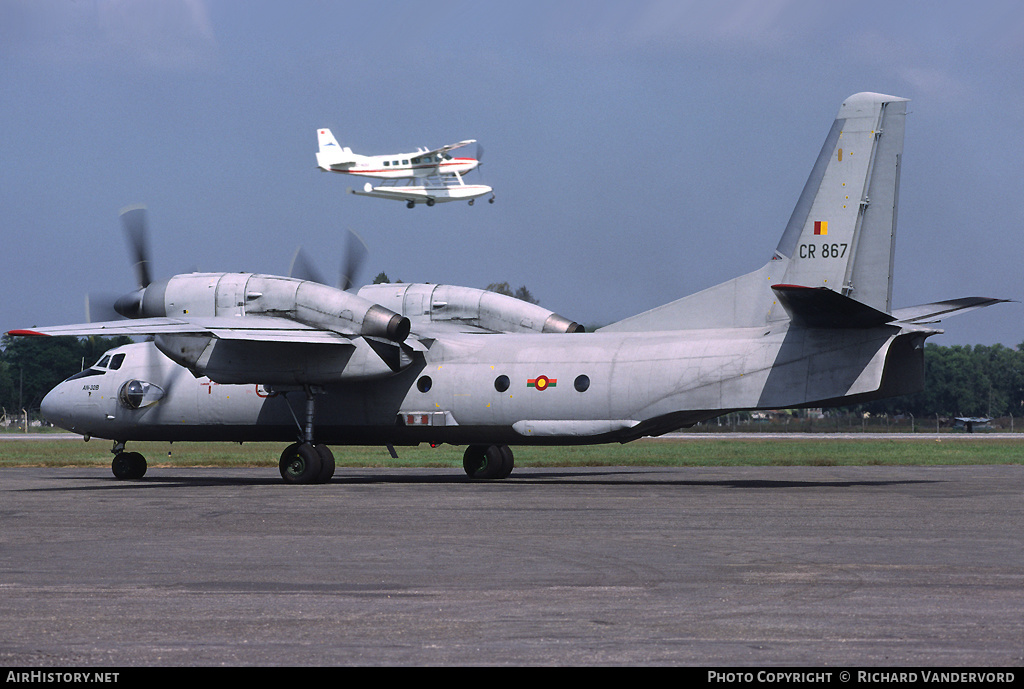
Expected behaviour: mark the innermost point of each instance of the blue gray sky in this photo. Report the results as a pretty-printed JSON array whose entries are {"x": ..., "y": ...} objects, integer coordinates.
[{"x": 639, "y": 151}]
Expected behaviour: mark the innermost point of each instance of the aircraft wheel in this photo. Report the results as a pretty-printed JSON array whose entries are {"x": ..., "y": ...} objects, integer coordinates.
[
  {"x": 326, "y": 463},
  {"x": 430, "y": 202},
  {"x": 471, "y": 201},
  {"x": 507, "y": 461},
  {"x": 487, "y": 461},
  {"x": 300, "y": 463},
  {"x": 410, "y": 204},
  {"x": 128, "y": 465}
]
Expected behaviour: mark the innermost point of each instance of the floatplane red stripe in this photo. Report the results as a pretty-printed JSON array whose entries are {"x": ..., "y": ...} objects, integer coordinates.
[{"x": 453, "y": 161}]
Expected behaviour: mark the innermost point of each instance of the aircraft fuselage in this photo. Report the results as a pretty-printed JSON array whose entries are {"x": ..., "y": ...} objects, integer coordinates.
[
  {"x": 510, "y": 388},
  {"x": 407, "y": 165}
]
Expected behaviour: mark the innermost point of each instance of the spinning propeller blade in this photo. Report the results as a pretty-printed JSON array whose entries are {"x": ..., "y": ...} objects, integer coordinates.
[
  {"x": 356, "y": 251},
  {"x": 355, "y": 256},
  {"x": 133, "y": 218}
]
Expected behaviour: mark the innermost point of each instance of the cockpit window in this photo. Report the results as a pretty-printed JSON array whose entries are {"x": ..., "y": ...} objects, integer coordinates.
[
  {"x": 116, "y": 361},
  {"x": 86, "y": 373},
  {"x": 102, "y": 363}
]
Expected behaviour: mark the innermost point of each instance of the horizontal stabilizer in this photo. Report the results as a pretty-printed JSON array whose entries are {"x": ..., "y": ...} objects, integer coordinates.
[
  {"x": 932, "y": 313},
  {"x": 820, "y": 307}
]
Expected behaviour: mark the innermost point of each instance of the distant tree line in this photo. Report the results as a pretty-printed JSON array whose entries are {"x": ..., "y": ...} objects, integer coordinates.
[{"x": 964, "y": 380}]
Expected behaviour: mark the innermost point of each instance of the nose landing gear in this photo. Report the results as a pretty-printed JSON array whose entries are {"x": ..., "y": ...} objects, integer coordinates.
[{"x": 127, "y": 465}]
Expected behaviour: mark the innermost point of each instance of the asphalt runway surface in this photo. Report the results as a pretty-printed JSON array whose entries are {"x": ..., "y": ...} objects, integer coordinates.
[{"x": 759, "y": 566}]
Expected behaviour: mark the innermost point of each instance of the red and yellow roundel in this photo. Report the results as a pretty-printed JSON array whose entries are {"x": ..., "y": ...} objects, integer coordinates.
[{"x": 541, "y": 382}]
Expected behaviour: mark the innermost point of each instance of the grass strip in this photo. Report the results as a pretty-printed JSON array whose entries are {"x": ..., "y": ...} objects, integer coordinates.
[{"x": 724, "y": 451}]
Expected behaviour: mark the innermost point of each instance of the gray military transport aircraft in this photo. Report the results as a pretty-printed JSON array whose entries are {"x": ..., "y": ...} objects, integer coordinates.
[{"x": 247, "y": 357}]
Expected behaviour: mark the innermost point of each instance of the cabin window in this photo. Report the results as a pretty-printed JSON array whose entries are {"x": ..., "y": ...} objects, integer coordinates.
[
  {"x": 387, "y": 164},
  {"x": 405, "y": 162},
  {"x": 582, "y": 383},
  {"x": 424, "y": 383},
  {"x": 501, "y": 383}
]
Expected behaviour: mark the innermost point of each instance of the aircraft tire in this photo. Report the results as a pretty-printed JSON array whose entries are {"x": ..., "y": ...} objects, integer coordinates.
[
  {"x": 487, "y": 461},
  {"x": 326, "y": 464},
  {"x": 507, "y": 461},
  {"x": 430, "y": 202},
  {"x": 300, "y": 464},
  {"x": 128, "y": 465}
]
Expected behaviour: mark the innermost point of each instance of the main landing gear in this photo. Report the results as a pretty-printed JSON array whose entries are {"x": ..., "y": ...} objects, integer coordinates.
[
  {"x": 488, "y": 461},
  {"x": 307, "y": 463}
]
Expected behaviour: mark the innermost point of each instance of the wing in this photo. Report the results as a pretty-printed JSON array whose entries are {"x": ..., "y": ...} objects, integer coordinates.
[
  {"x": 254, "y": 328},
  {"x": 450, "y": 147}
]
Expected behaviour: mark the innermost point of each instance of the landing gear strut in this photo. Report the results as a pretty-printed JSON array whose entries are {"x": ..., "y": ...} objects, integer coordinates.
[
  {"x": 306, "y": 461},
  {"x": 488, "y": 461}
]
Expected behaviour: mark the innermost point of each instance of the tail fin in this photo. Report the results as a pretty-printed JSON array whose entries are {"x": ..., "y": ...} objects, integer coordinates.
[
  {"x": 330, "y": 155},
  {"x": 840, "y": 237},
  {"x": 842, "y": 231}
]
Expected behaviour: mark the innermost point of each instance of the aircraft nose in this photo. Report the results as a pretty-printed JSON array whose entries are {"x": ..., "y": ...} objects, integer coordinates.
[{"x": 51, "y": 408}]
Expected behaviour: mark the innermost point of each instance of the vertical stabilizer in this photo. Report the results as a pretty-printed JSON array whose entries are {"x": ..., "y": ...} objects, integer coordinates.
[
  {"x": 329, "y": 154},
  {"x": 842, "y": 232},
  {"x": 840, "y": 237}
]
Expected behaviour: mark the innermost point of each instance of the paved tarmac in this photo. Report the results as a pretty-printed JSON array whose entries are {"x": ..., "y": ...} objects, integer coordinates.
[{"x": 765, "y": 566}]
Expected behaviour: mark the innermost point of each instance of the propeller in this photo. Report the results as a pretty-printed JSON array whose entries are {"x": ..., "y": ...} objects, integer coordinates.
[
  {"x": 100, "y": 308},
  {"x": 133, "y": 219},
  {"x": 355, "y": 257},
  {"x": 104, "y": 307},
  {"x": 480, "y": 168},
  {"x": 302, "y": 268},
  {"x": 356, "y": 252}
]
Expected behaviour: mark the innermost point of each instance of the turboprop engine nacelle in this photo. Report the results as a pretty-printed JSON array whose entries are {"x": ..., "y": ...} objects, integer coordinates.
[
  {"x": 199, "y": 295},
  {"x": 468, "y": 305},
  {"x": 375, "y": 351}
]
